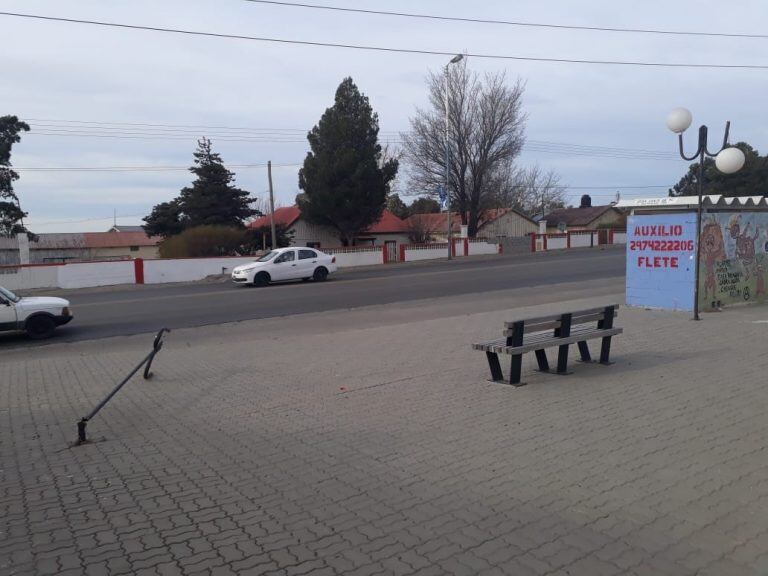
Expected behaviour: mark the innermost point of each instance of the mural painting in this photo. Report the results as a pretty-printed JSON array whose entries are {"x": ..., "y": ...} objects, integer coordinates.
[{"x": 733, "y": 258}]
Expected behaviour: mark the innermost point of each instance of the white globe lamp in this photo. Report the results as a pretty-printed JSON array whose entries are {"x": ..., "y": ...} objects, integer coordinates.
[
  {"x": 730, "y": 160},
  {"x": 679, "y": 120}
]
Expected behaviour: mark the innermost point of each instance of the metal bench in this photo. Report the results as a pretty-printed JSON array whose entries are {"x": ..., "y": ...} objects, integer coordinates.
[{"x": 558, "y": 330}]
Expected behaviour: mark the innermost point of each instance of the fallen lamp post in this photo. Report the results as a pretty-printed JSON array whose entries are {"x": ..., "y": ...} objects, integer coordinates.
[{"x": 146, "y": 363}]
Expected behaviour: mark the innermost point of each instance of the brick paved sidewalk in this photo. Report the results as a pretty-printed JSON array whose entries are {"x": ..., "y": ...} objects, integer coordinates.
[{"x": 308, "y": 445}]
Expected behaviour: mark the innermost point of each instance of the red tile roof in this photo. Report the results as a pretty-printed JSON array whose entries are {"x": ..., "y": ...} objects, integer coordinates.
[
  {"x": 118, "y": 239},
  {"x": 283, "y": 216},
  {"x": 387, "y": 224}
]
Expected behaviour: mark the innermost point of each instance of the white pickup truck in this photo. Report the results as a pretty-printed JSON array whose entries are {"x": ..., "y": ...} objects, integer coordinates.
[{"x": 37, "y": 316}]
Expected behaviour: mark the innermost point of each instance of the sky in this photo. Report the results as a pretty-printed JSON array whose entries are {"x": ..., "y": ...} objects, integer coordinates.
[{"x": 98, "y": 97}]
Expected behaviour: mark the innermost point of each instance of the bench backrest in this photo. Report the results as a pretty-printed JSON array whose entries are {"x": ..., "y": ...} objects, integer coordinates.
[{"x": 554, "y": 321}]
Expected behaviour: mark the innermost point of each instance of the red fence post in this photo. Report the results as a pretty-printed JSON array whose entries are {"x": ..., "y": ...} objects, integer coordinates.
[
  {"x": 384, "y": 254},
  {"x": 533, "y": 241},
  {"x": 466, "y": 246},
  {"x": 545, "y": 242},
  {"x": 501, "y": 248},
  {"x": 138, "y": 270},
  {"x": 402, "y": 252},
  {"x": 610, "y": 236},
  {"x": 567, "y": 239}
]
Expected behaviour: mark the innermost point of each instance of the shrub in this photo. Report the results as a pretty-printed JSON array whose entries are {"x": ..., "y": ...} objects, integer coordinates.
[{"x": 202, "y": 241}]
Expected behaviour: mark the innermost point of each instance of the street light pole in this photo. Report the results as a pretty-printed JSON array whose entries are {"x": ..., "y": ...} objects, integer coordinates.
[
  {"x": 454, "y": 60},
  {"x": 678, "y": 121}
]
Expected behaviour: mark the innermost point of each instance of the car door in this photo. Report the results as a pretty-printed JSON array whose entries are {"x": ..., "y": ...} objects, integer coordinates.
[
  {"x": 7, "y": 314},
  {"x": 308, "y": 260},
  {"x": 285, "y": 266}
]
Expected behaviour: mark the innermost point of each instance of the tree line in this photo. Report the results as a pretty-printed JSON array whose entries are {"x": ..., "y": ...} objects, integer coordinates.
[{"x": 348, "y": 178}]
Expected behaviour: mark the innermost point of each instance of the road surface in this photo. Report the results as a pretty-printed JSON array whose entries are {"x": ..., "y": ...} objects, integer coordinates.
[{"x": 101, "y": 313}]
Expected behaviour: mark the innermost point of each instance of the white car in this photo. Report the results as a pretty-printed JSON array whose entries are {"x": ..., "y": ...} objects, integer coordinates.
[
  {"x": 37, "y": 316},
  {"x": 286, "y": 264}
]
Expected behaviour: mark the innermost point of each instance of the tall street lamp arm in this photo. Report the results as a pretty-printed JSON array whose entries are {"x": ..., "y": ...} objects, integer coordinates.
[{"x": 679, "y": 125}]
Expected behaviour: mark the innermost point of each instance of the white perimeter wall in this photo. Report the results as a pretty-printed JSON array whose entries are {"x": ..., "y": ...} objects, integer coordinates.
[
  {"x": 189, "y": 269},
  {"x": 619, "y": 237},
  {"x": 95, "y": 274},
  {"x": 477, "y": 248},
  {"x": 426, "y": 253},
  {"x": 557, "y": 243},
  {"x": 358, "y": 257},
  {"x": 582, "y": 240},
  {"x": 32, "y": 277}
]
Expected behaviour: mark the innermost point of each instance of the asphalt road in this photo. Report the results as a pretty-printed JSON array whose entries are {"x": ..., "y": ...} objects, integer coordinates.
[{"x": 118, "y": 311}]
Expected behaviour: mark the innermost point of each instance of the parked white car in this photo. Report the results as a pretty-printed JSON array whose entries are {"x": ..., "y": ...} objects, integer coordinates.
[
  {"x": 286, "y": 264},
  {"x": 38, "y": 316}
]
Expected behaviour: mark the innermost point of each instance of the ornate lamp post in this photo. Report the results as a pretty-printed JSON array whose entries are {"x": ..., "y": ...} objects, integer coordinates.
[{"x": 727, "y": 159}]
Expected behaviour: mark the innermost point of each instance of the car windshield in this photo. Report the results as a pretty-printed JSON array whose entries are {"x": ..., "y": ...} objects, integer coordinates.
[
  {"x": 8, "y": 295},
  {"x": 268, "y": 256}
]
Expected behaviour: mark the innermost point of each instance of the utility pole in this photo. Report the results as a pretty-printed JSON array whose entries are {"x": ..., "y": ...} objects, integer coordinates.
[{"x": 271, "y": 205}]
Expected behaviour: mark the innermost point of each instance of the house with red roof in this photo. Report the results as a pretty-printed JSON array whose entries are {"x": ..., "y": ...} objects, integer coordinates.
[
  {"x": 585, "y": 217},
  {"x": 388, "y": 230},
  {"x": 89, "y": 246}
]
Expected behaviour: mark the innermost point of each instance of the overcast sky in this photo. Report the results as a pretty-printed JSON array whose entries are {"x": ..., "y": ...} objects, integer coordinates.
[{"x": 57, "y": 74}]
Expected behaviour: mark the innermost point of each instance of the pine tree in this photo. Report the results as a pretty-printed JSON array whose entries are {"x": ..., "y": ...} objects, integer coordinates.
[
  {"x": 344, "y": 178},
  {"x": 211, "y": 200},
  {"x": 11, "y": 214}
]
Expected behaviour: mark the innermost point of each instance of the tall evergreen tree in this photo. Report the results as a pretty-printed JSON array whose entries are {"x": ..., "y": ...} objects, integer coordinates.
[
  {"x": 344, "y": 178},
  {"x": 11, "y": 214},
  {"x": 751, "y": 180},
  {"x": 211, "y": 200}
]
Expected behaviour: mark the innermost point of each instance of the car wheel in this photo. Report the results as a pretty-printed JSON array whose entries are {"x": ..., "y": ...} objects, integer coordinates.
[
  {"x": 320, "y": 274},
  {"x": 261, "y": 279},
  {"x": 40, "y": 327}
]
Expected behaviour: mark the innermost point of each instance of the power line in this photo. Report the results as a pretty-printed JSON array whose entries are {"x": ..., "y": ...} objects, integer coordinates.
[
  {"x": 274, "y": 134},
  {"x": 139, "y": 168},
  {"x": 383, "y": 48},
  {"x": 510, "y": 22}
]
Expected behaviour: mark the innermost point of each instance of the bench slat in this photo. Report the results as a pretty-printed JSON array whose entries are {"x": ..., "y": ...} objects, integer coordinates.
[
  {"x": 576, "y": 320},
  {"x": 500, "y": 346},
  {"x": 556, "y": 317}
]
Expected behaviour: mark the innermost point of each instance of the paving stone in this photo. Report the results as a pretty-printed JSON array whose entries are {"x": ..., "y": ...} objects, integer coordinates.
[{"x": 237, "y": 458}]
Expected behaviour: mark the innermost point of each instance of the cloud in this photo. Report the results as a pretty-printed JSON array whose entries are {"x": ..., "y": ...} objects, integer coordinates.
[{"x": 75, "y": 72}]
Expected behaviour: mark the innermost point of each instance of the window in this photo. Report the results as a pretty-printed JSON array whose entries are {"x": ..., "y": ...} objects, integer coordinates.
[
  {"x": 134, "y": 248},
  {"x": 289, "y": 256},
  {"x": 307, "y": 254},
  {"x": 268, "y": 256}
]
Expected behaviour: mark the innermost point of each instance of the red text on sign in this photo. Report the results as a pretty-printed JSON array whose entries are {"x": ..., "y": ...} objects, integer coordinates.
[{"x": 657, "y": 262}]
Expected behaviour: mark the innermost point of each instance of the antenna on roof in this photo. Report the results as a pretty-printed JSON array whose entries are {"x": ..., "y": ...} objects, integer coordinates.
[{"x": 115, "y": 217}]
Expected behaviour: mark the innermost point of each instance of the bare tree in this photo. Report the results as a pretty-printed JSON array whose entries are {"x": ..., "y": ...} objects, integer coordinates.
[
  {"x": 530, "y": 190},
  {"x": 486, "y": 129},
  {"x": 421, "y": 228}
]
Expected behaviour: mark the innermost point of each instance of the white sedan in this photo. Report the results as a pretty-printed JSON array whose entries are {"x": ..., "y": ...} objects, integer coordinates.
[{"x": 286, "y": 264}]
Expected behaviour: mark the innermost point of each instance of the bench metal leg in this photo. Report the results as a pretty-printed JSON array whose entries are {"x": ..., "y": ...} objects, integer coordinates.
[
  {"x": 584, "y": 351},
  {"x": 493, "y": 361},
  {"x": 605, "y": 351},
  {"x": 516, "y": 370},
  {"x": 562, "y": 359},
  {"x": 541, "y": 358}
]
